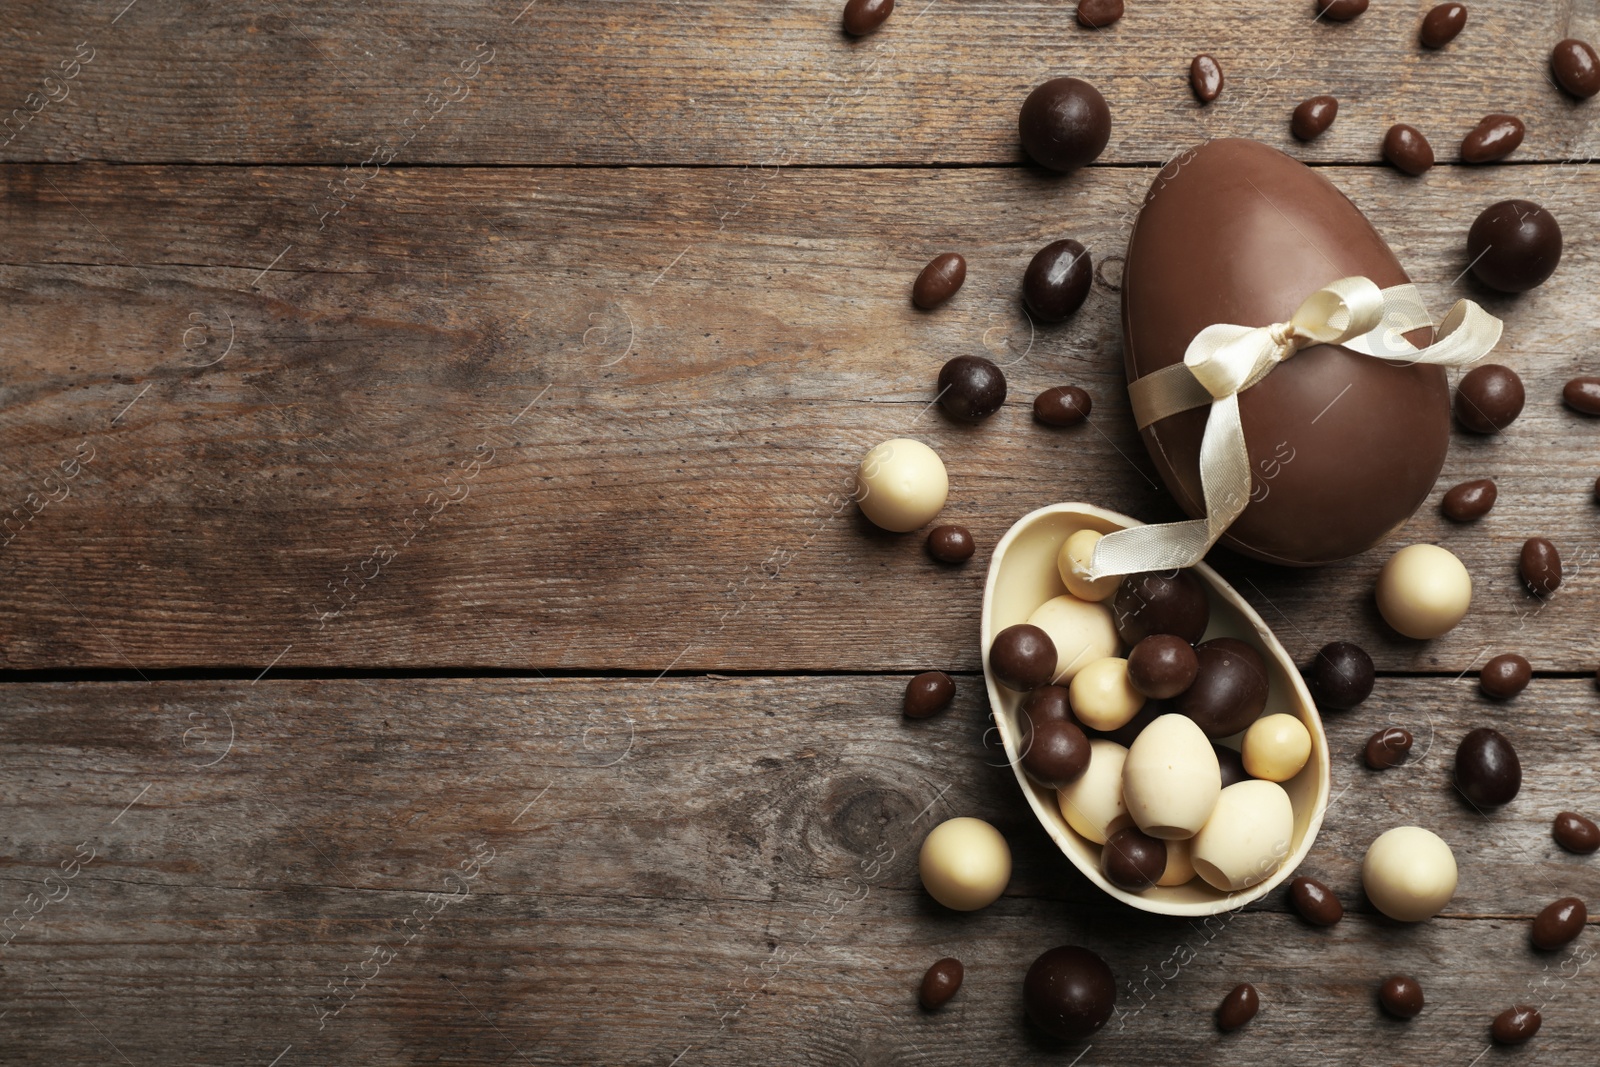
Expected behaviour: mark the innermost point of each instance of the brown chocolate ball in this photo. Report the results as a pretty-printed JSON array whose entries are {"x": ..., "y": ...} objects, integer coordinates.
[
  {"x": 1342, "y": 676},
  {"x": 1161, "y": 602},
  {"x": 1023, "y": 657},
  {"x": 1069, "y": 992},
  {"x": 1230, "y": 689},
  {"x": 1162, "y": 666},
  {"x": 1488, "y": 772},
  {"x": 1133, "y": 860},
  {"x": 1514, "y": 246},
  {"x": 971, "y": 388},
  {"x": 950, "y": 544},
  {"x": 928, "y": 694},
  {"x": 1064, "y": 124},
  {"x": 1057, "y": 280},
  {"x": 1048, "y": 703},
  {"x": 1057, "y": 753},
  {"x": 1489, "y": 398},
  {"x": 1401, "y": 996}
]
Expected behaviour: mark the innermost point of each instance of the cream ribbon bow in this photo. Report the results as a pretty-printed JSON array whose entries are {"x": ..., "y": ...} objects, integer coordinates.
[{"x": 1224, "y": 360}]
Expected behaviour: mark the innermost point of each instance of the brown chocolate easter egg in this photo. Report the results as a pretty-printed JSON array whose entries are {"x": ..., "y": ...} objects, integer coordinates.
[{"x": 1343, "y": 447}]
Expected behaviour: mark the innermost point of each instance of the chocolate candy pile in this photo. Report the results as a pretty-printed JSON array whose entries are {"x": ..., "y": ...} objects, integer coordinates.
[{"x": 1130, "y": 744}]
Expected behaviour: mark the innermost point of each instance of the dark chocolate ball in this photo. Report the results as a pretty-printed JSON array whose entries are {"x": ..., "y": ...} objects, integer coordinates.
[
  {"x": 1401, "y": 996},
  {"x": 1057, "y": 753},
  {"x": 928, "y": 694},
  {"x": 1049, "y": 703},
  {"x": 950, "y": 544},
  {"x": 1161, "y": 602},
  {"x": 1023, "y": 657},
  {"x": 1069, "y": 992},
  {"x": 1514, "y": 246},
  {"x": 1064, "y": 124},
  {"x": 1488, "y": 772},
  {"x": 1162, "y": 666},
  {"x": 1133, "y": 860},
  {"x": 1057, "y": 280},
  {"x": 1230, "y": 689},
  {"x": 1489, "y": 398},
  {"x": 1341, "y": 676},
  {"x": 971, "y": 388},
  {"x": 1231, "y": 764}
]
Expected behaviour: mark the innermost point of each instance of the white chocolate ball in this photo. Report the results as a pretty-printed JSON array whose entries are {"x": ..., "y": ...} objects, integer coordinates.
[
  {"x": 1093, "y": 804},
  {"x": 1409, "y": 874},
  {"x": 965, "y": 864},
  {"x": 1073, "y": 563},
  {"x": 1171, "y": 779},
  {"x": 1423, "y": 591},
  {"x": 901, "y": 485},
  {"x": 1250, "y": 832},
  {"x": 1276, "y": 747},
  {"x": 1082, "y": 631},
  {"x": 1180, "y": 865},
  {"x": 1102, "y": 697}
]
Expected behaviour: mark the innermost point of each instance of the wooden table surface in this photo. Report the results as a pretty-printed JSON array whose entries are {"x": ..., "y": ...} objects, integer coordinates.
[{"x": 437, "y": 628}]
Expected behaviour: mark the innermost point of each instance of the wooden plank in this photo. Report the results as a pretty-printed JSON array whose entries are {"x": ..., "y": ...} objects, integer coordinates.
[
  {"x": 702, "y": 82},
  {"x": 592, "y": 420},
  {"x": 717, "y": 869}
]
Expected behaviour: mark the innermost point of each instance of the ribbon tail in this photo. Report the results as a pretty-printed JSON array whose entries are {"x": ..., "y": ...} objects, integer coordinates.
[{"x": 1225, "y": 483}]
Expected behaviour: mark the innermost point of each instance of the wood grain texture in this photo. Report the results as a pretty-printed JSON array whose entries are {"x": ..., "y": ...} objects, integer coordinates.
[
  {"x": 562, "y": 81},
  {"x": 609, "y": 420},
  {"x": 719, "y": 865}
]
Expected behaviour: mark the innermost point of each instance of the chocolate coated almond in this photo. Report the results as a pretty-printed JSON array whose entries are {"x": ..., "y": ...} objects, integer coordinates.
[
  {"x": 1470, "y": 500},
  {"x": 1236, "y": 232},
  {"x": 1440, "y": 25},
  {"x": 1313, "y": 117},
  {"x": 1494, "y": 137},
  {"x": 1205, "y": 76}
]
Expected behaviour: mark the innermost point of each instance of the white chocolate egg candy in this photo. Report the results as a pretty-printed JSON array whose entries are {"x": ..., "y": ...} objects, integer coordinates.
[
  {"x": 1249, "y": 833},
  {"x": 1423, "y": 591},
  {"x": 1171, "y": 778},
  {"x": 1276, "y": 747},
  {"x": 1082, "y": 631},
  {"x": 901, "y": 485},
  {"x": 1073, "y": 563},
  {"x": 965, "y": 864},
  {"x": 1093, "y": 804},
  {"x": 1101, "y": 695},
  {"x": 1180, "y": 865},
  {"x": 1409, "y": 874}
]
